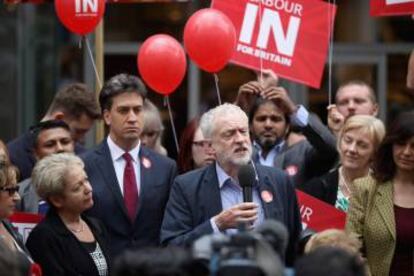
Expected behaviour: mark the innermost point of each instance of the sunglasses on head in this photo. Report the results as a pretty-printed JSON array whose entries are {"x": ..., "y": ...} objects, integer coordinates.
[{"x": 10, "y": 190}]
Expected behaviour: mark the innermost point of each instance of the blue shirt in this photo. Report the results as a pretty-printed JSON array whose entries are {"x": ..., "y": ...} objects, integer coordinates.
[{"x": 231, "y": 194}]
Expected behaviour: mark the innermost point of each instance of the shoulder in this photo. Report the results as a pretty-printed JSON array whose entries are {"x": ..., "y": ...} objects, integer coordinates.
[
  {"x": 25, "y": 184},
  {"x": 272, "y": 172},
  {"x": 196, "y": 174},
  {"x": 92, "y": 153},
  {"x": 19, "y": 142},
  {"x": 365, "y": 184},
  {"x": 192, "y": 181}
]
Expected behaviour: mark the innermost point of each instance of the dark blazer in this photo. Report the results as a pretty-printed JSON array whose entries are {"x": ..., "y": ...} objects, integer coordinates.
[
  {"x": 195, "y": 198},
  {"x": 59, "y": 252},
  {"x": 312, "y": 157},
  {"x": 324, "y": 188},
  {"x": 21, "y": 154},
  {"x": 157, "y": 174}
]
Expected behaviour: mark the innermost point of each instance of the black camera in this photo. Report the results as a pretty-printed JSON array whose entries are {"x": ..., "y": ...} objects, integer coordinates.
[{"x": 242, "y": 253}]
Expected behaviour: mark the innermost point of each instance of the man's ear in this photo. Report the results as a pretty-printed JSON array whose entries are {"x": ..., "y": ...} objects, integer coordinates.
[
  {"x": 58, "y": 115},
  {"x": 106, "y": 117},
  {"x": 375, "y": 110}
]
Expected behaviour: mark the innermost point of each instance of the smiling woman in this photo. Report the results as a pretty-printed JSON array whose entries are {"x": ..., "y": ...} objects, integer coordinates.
[
  {"x": 357, "y": 144},
  {"x": 66, "y": 242}
]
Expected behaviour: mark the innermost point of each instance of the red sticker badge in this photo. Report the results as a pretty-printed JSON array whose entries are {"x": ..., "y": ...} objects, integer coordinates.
[
  {"x": 266, "y": 196},
  {"x": 146, "y": 162}
]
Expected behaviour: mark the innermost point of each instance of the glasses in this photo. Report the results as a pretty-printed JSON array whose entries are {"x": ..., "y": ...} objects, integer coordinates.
[
  {"x": 202, "y": 144},
  {"x": 10, "y": 190}
]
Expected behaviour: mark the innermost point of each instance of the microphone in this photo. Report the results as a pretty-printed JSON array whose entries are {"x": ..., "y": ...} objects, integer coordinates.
[
  {"x": 276, "y": 234},
  {"x": 247, "y": 177}
]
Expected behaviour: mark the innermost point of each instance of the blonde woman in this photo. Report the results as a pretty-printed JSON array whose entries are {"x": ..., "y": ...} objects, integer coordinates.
[{"x": 357, "y": 144}]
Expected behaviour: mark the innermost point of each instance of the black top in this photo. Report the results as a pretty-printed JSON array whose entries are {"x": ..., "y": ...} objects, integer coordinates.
[
  {"x": 59, "y": 252},
  {"x": 325, "y": 187}
]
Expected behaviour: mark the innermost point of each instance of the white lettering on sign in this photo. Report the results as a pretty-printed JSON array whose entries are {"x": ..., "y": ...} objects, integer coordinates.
[
  {"x": 393, "y": 2},
  {"x": 270, "y": 23},
  {"x": 305, "y": 213},
  {"x": 284, "y": 5},
  {"x": 86, "y": 6}
]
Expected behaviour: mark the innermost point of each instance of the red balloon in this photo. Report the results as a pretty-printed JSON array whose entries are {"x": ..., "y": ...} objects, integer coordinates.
[
  {"x": 162, "y": 63},
  {"x": 210, "y": 39},
  {"x": 80, "y": 16}
]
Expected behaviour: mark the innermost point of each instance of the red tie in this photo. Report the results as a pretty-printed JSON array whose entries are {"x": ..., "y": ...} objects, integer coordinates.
[{"x": 130, "y": 187}]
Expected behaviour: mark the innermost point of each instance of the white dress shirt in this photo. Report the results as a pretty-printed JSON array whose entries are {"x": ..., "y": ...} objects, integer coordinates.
[{"x": 120, "y": 163}]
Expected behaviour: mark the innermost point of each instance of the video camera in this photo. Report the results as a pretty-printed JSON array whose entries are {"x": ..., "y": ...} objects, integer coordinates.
[{"x": 250, "y": 253}]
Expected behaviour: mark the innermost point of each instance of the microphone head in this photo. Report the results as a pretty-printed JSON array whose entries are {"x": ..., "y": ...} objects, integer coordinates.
[
  {"x": 246, "y": 175},
  {"x": 276, "y": 234}
]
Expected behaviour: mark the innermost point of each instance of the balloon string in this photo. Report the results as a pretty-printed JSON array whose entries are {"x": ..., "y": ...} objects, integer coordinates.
[
  {"x": 260, "y": 56},
  {"x": 98, "y": 80},
  {"x": 167, "y": 102},
  {"x": 216, "y": 80},
  {"x": 331, "y": 48}
]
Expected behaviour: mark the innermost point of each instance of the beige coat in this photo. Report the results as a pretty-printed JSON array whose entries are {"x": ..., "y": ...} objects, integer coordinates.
[{"x": 371, "y": 217}]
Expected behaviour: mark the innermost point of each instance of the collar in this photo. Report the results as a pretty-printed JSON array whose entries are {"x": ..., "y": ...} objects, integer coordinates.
[
  {"x": 117, "y": 152},
  {"x": 222, "y": 175},
  {"x": 277, "y": 148}
]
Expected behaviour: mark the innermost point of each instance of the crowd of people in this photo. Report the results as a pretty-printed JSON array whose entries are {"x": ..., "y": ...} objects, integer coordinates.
[{"x": 125, "y": 208}]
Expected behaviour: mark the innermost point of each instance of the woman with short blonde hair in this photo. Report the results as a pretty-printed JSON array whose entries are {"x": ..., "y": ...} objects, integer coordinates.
[
  {"x": 67, "y": 242},
  {"x": 357, "y": 143}
]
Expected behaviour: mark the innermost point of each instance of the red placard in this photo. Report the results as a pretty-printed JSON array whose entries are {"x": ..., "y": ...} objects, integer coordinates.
[
  {"x": 319, "y": 215},
  {"x": 289, "y": 37},
  {"x": 25, "y": 222},
  {"x": 391, "y": 7}
]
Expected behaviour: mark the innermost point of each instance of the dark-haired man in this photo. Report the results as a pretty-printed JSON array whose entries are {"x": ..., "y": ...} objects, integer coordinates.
[
  {"x": 49, "y": 137},
  {"x": 131, "y": 183},
  {"x": 272, "y": 115},
  {"x": 76, "y": 106}
]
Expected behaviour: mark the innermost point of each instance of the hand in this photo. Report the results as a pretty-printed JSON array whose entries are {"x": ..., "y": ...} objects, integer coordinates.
[
  {"x": 247, "y": 94},
  {"x": 244, "y": 212},
  {"x": 267, "y": 78},
  {"x": 335, "y": 119},
  {"x": 280, "y": 96}
]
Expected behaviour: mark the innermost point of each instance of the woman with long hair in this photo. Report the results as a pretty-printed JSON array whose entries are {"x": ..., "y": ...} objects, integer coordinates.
[{"x": 382, "y": 209}]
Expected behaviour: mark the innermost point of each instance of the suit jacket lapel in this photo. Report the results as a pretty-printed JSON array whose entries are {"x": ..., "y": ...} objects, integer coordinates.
[
  {"x": 209, "y": 194},
  {"x": 104, "y": 163},
  {"x": 385, "y": 205}
]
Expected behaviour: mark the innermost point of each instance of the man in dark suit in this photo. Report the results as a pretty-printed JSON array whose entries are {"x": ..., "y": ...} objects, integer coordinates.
[
  {"x": 131, "y": 183},
  {"x": 76, "y": 106},
  {"x": 209, "y": 200}
]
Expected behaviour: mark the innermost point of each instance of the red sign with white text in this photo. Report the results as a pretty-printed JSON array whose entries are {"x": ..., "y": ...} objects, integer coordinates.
[
  {"x": 25, "y": 222},
  {"x": 391, "y": 7},
  {"x": 289, "y": 37},
  {"x": 318, "y": 215}
]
